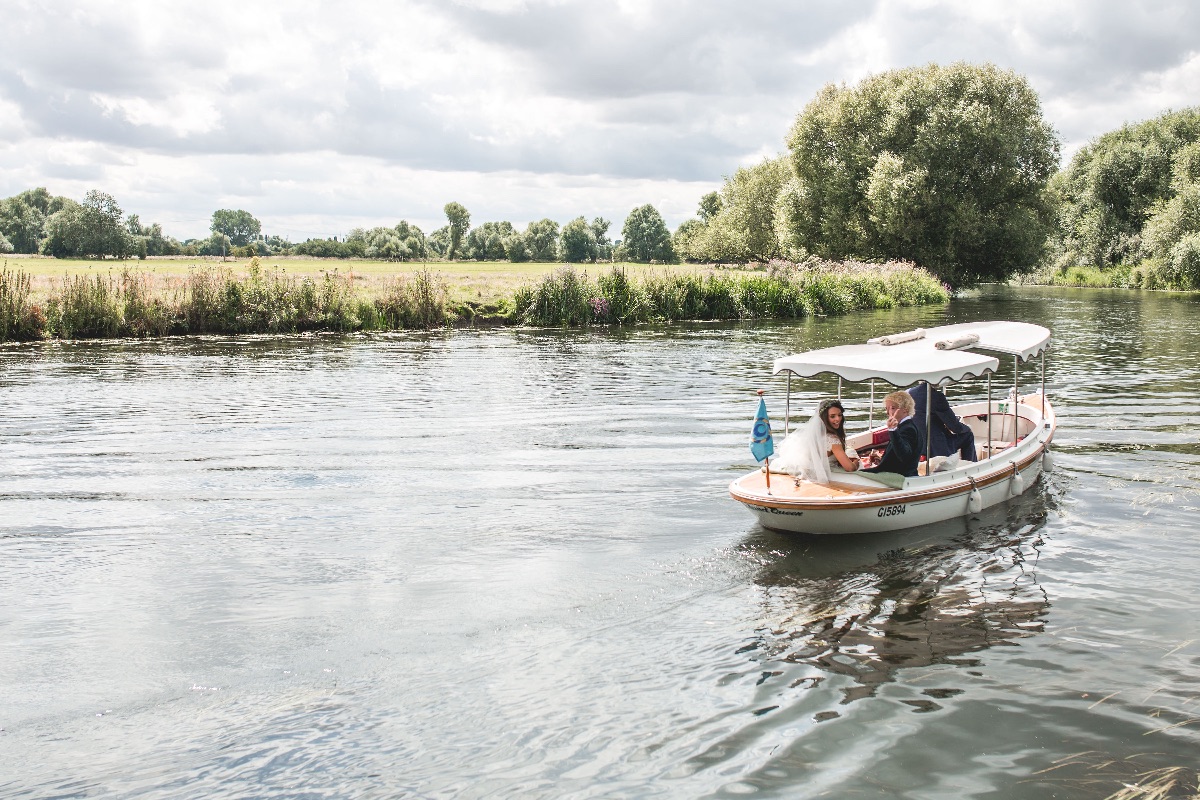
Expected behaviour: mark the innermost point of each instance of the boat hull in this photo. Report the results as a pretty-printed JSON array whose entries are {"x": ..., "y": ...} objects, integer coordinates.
[{"x": 855, "y": 505}]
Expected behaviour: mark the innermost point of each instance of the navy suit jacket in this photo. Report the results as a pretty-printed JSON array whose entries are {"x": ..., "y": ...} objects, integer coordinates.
[
  {"x": 948, "y": 434},
  {"x": 903, "y": 452}
]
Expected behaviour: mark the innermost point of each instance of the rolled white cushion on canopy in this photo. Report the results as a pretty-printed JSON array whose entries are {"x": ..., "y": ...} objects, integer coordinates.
[
  {"x": 958, "y": 342},
  {"x": 898, "y": 338}
]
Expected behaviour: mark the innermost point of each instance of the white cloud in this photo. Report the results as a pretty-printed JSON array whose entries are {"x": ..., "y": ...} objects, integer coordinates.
[{"x": 321, "y": 115}]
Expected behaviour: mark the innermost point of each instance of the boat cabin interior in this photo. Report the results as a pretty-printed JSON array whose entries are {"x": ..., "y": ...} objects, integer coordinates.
[{"x": 1006, "y": 429}]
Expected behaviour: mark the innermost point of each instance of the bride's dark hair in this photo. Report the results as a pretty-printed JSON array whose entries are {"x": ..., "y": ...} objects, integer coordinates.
[{"x": 824, "y": 412}]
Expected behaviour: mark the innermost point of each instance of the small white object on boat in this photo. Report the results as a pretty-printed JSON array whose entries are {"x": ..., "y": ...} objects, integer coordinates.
[{"x": 1011, "y": 438}]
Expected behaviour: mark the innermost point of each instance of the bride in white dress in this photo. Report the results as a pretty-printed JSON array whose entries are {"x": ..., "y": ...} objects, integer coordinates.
[{"x": 817, "y": 447}]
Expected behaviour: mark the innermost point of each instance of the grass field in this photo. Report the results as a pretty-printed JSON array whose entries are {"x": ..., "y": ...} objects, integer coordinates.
[{"x": 483, "y": 282}]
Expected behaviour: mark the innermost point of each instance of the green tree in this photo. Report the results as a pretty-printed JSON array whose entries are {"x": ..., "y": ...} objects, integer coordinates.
[
  {"x": 439, "y": 241},
  {"x": 404, "y": 242},
  {"x": 541, "y": 238},
  {"x": 41, "y": 199},
  {"x": 486, "y": 242},
  {"x": 5, "y": 245},
  {"x": 413, "y": 239},
  {"x": 22, "y": 223},
  {"x": 92, "y": 228},
  {"x": 516, "y": 248},
  {"x": 149, "y": 240},
  {"x": 1118, "y": 182},
  {"x": 218, "y": 244},
  {"x": 1171, "y": 235},
  {"x": 240, "y": 226},
  {"x": 604, "y": 246},
  {"x": 158, "y": 243},
  {"x": 740, "y": 226},
  {"x": 645, "y": 236},
  {"x": 23, "y": 217},
  {"x": 685, "y": 239},
  {"x": 460, "y": 222},
  {"x": 943, "y": 166},
  {"x": 710, "y": 206},
  {"x": 578, "y": 242}
]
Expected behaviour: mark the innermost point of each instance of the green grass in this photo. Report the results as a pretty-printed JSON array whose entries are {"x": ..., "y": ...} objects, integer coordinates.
[
  {"x": 786, "y": 291},
  {"x": 260, "y": 298},
  {"x": 1148, "y": 274}
]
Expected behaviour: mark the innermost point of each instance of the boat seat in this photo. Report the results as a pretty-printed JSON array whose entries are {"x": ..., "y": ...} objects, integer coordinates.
[{"x": 990, "y": 449}]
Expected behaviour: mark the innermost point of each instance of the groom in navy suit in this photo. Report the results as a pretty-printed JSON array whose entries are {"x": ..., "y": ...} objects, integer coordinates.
[
  {"x": 906, "y": 445},
  {"x": 947, "y": 433}
]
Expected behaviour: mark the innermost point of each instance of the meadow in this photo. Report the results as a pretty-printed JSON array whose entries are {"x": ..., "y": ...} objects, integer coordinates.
[
  {"x": 48, "y": 298},
  {"x": 480, "y": 282}
]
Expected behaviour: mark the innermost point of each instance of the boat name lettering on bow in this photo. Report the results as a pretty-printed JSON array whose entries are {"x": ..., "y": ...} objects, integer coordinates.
[{"x": 891, "y": 511}]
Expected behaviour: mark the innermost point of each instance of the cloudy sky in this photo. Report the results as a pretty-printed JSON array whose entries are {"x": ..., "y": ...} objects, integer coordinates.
[{"x": 318, "y": 117}]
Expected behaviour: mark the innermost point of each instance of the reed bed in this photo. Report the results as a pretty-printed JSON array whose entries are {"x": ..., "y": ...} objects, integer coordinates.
[
  {"x": 215, "y": 299},
  {"x": 783, "y": 291}
]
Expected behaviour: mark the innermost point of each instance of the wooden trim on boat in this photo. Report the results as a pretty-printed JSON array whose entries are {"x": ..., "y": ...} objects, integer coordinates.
[{"x": 894, "y": 496}]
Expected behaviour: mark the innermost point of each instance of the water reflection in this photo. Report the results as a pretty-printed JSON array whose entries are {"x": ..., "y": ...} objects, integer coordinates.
[{"x": 867, "y": 609}]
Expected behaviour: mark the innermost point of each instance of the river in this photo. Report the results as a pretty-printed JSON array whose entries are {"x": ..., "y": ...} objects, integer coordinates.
[{"x": 504, "y": 564}]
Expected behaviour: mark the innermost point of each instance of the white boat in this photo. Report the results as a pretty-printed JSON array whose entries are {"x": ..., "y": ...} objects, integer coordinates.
[{"x": 1012, "y": 437}]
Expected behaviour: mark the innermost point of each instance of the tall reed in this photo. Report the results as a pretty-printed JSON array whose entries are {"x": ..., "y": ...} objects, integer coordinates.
[
  {"x": 215, "y": 300},
  {"x": 20, "y": 318},
  {"x": 419, "y": 300},
  {"x": 88, "y": 307},
  {"x": 785, "y": 291}
]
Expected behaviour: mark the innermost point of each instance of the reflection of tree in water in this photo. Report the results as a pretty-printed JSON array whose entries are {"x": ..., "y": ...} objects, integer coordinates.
[{"x": 942, "y": 596}]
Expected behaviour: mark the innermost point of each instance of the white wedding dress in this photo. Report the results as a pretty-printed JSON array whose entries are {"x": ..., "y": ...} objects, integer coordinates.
[{"x": 805, "y": 452}]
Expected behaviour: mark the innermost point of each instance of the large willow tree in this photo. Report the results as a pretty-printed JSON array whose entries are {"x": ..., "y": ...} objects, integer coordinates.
[{"x": 943, "y": 166}]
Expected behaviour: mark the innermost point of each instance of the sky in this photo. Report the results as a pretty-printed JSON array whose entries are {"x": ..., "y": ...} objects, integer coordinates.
[{"x": 319, "y": 117}]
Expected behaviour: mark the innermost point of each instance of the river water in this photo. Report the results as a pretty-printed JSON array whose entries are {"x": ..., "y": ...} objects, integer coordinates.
[{"x": 504, "y": 564}]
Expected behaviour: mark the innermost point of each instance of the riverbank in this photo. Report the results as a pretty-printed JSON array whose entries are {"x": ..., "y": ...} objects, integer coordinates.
[
  {"x": 216, "y": 298},
  {"x": 1149, "y": 274}
]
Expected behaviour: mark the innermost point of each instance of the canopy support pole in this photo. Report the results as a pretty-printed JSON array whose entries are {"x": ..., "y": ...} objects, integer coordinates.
[
  {"x": 1044, "y": 386},
  {"x": 989, "y": 416},
  {"x": 928, "y": 418},
  {"x": 871, "y": 413},
  {"x": 839, "y": 387},
  {"x": 1016, "y": 396},
  {"x": 787, "y": 406}
]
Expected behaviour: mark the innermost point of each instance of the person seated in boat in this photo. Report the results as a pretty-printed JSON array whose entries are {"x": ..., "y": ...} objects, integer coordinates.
[
  {"x": 948, "y": 434},
  {"x": 819, "y": 447},
  {"x": 905, "y": 445},
  {"x": 837, "y": 451}
]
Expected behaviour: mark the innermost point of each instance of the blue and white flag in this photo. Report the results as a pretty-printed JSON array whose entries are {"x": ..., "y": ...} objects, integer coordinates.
[{"x": 761, "y": 443}]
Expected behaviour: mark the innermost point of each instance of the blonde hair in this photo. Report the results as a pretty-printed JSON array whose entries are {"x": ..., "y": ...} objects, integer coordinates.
[{"x": 902, "y": 400}]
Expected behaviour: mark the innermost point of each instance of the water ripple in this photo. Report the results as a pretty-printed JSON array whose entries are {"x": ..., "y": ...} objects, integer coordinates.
[{"x": 504, "y": 563}]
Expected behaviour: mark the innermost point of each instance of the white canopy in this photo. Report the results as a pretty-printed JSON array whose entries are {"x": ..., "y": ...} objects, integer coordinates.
[
  {"x": 914, "y": 356},
  {"x": 1014, "y": 338}
]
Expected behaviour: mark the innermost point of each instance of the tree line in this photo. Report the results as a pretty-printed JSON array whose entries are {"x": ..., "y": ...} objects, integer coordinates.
[
  {"x": 951, "y": 168},
  {"x": 35, "y": 221}
]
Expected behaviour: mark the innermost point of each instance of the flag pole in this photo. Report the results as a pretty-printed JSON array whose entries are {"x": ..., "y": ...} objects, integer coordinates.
[{"x": 767, "y": 459}]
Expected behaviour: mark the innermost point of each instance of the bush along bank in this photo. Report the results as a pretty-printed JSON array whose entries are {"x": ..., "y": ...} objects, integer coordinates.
[
  {"x": 212, "y": 300},
  {"x": 1179, "y": 273}
]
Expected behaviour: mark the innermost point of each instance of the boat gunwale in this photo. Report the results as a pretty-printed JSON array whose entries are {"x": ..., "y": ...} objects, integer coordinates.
[{"x": 890, "y": 498}]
